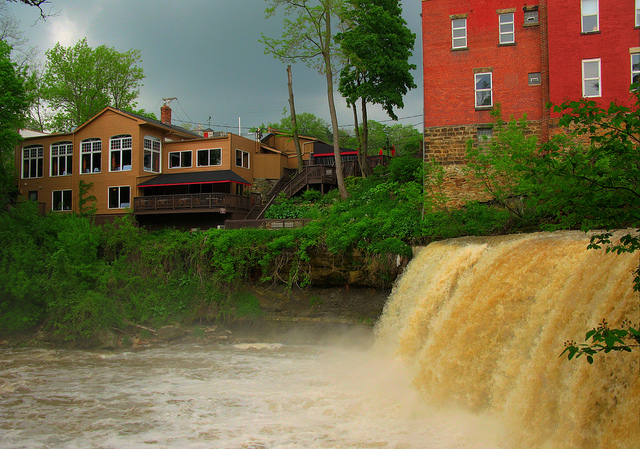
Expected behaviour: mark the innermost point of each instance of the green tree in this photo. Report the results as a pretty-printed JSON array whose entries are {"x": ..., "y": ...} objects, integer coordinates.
[
  {"x": 591, "y": 179},
  {"x": 80, "y": 81},
  {"x": 309, "y": 37},
  {"x": 377, "y": 44},
  {"x": 309, "y": 125},
  {"x": 500, "y": 163},
  {"x": 13, "y": 108}
]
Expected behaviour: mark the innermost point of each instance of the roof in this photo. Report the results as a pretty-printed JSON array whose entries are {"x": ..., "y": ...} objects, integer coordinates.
[
  {"x": 198, "y": 177},
  {"x": 324, "y": 149},
  {"x": 159, "y": 123}
]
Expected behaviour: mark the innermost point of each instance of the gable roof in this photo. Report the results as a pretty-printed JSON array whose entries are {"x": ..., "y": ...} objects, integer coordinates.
[
  {"x": 150, "y": 121},
  {"x": 198, "y": 177}
]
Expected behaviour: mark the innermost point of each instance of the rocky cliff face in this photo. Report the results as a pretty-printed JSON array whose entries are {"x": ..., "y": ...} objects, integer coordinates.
[{"x": 356, "y": 269}]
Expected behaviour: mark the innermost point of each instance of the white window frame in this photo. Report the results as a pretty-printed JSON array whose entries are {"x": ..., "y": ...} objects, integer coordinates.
[
  {"x": 209, "y": 164},
  {"x": 483, "y": 89},
  {"x": 92, "y": 149},
  {"x": 637, "y": 13},
  {"x": 585, "y": 14},
  {"x": 455, "y": 38},
  {"x": 507, "y": 28},
  {"x": 61, "y": 159},
  {"x": 635, "y": 72},
  {"x": 181, "y": 161},
  {"x": 32, "y": 162},
  {"x": 121, "y": 147},
  {"x": 590, "y": 79},
  {"x": 122, "y": 203},
  {"x": 63, "y": 205},
  {"x": 152, "y": 154},
  {"x": 245, "y": 158}
]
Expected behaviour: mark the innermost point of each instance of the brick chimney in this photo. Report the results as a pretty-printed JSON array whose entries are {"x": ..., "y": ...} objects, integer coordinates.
[{"x": 165, "y": 114}]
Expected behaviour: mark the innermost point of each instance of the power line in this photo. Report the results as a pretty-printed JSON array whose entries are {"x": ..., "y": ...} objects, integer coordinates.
[{"x": 190, "y": 121}]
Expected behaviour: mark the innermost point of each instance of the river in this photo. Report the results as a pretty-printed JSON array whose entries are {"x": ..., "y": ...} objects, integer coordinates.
[{"x": 250, "y": 396}]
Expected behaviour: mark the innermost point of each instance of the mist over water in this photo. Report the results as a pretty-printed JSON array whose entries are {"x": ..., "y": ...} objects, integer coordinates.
[
  {"x": 466, "y": 356},
  {"x": 236, "y": 396}
]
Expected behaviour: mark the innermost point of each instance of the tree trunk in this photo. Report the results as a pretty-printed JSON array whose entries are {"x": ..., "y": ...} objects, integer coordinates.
[
  {"x": 365, "y": 138},
  {"x": 294, "y": 121},
  {"x": 359, "y": 140},
  {"x": 332, "y": 107}
]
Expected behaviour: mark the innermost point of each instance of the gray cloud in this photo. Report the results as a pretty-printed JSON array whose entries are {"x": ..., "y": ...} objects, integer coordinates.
[{"x": 207, "y": 54}]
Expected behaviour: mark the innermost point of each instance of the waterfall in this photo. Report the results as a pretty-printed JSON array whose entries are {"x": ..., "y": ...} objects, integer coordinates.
[{"x": 481, "y": 323}]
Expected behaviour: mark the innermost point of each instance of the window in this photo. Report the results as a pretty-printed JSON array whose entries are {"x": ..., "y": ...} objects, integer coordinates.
[
  {"x": 242, "y": 159},
  {"x": 180, "y": 159},
  {"x": 484, "y": 96},
  {"x": 535, "y": 79},
  {"x": 591, "y": 78},
  {"x": 484, "y": 137},
  {"x": 91, "y": 150},
  {"x": 459, "y": 33},
  {"x": 531, "y": 17},
  {"x": 119, "y": 197},
  {"x": 61, "y": 200},
  {"x": 120, "y": 149},
  {"x": 33, "y": 195},
  {"x": 61, "y": 158},
  {"x": 151, "y": 154},
  {"x": 210, "y": 157},
  {"x": 507, "y": 28},
  {"x": 589, "y": 16},
  {"x": 32, "y": 161},
  {"x": 635, "y": 68},
  {"x": 638, "y": 13}
]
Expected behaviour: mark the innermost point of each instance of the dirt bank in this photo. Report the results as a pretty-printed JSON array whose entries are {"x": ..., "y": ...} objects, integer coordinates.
[{"x": 312, "y": 315}]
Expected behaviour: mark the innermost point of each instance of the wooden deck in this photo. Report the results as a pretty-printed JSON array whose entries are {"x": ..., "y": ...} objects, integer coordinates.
[{"x": 197, "y": 202}]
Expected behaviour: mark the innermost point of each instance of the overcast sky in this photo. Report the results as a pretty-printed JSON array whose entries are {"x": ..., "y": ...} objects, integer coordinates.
[{"x": 207, "y": 54}]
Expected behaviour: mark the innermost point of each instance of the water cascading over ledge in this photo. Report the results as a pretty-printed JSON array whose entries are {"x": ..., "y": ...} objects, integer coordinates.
[{"x": 481, "y": 323}]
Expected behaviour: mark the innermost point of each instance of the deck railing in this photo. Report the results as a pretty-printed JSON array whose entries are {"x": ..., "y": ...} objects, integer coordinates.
[{"x": 192, "y": 201}]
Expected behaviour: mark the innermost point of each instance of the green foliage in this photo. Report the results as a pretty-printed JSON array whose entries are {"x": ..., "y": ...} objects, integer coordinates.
[
  {"x": 406, "y": 169},
  {"x": 79, "y": 81},
  {"x": 501, "y": 163},
  {"x": 246, "y": 306},
  {"x": 377, "y": 45},
  {"x": 83, "y": 192},
  {"x": 604, "y": 339},
  {"x": 13, "y": 109},
  {"x": 308, "y": 125}
]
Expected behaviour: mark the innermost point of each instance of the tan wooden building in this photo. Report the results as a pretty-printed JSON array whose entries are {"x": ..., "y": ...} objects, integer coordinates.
[{"x": 164, "y": 174}]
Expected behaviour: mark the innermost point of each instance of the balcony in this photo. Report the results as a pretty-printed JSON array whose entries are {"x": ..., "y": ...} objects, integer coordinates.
[{"x": 195, "y": 202}]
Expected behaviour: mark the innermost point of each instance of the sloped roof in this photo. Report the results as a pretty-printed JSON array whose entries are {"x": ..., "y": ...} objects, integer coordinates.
[
  {"x": 151, "y": 121},
  {"x": 159, "y": 123},
  {"x": 197, "y": 177}
]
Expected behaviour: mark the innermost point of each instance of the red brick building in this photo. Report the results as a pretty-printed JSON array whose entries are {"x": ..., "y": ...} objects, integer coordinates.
[
  {"x": 594, "y": 50},
  {"x": 519, "y": 54}
]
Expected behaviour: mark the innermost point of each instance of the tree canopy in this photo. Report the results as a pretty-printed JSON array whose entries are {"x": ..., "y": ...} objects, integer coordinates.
[
  {"x": 377, "y": 45},
  {"x": 13, "y": 107},
  {"x": 308, "y": 125},
  {"x": 309, "y": 37},
  {"x": 79, "y": 81}
]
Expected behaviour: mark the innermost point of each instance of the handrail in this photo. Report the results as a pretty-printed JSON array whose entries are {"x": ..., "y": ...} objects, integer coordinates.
[{"x": 191, "y": 201}]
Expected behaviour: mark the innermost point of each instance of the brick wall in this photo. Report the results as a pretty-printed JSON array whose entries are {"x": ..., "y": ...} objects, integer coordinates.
[{"x": 447, "y": 146}]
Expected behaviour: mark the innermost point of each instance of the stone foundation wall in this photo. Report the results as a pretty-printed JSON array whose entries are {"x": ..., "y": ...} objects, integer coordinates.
[{"x": 447, "y": 145}]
